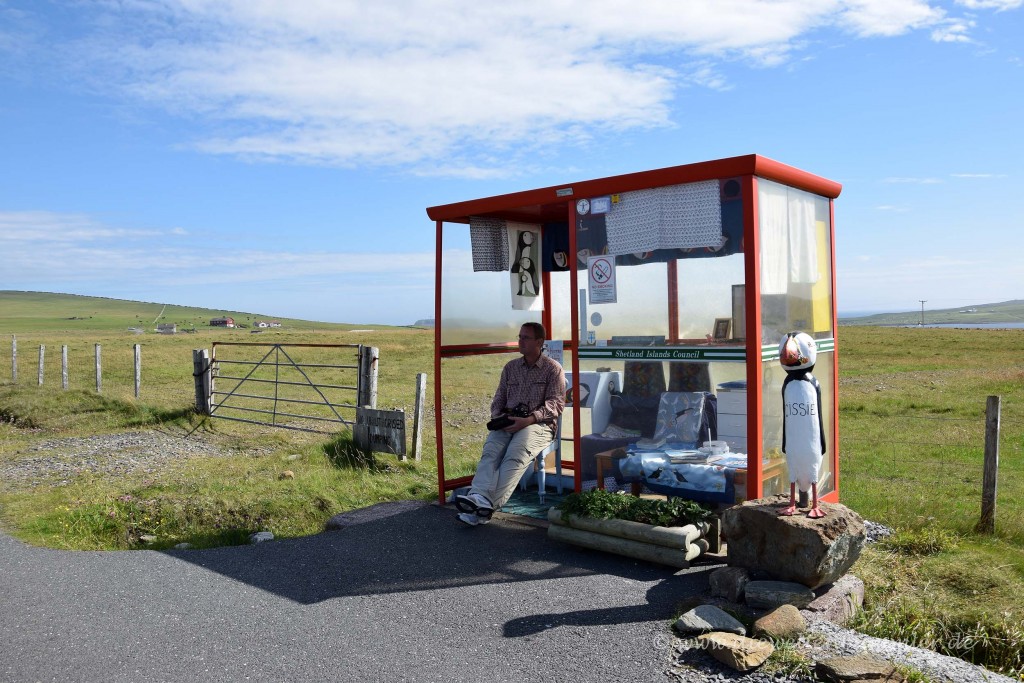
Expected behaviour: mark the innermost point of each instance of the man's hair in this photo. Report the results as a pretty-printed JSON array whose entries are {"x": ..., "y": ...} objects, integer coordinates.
[{"x": 537, "y": 330}]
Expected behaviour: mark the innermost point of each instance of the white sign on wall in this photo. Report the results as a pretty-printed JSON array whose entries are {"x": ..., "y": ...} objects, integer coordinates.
[{"x": 601, "y": 274}]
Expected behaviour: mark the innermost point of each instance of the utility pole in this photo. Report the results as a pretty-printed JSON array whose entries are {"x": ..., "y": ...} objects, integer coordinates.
[{"x": 922, "y": 309}]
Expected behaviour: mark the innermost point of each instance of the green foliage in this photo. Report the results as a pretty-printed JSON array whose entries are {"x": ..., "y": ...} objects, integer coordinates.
[
  {"x": 925, "y": 541},
  {"x": 993, "y": 641},
  {"x": 605, "y": 505},
  {"x": 788, "y": 661}
]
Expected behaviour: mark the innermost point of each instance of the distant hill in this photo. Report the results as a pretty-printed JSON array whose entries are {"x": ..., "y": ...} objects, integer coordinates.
[
  {"x": 1005, "y": 312},
  {"x": 23, "y": 312}
]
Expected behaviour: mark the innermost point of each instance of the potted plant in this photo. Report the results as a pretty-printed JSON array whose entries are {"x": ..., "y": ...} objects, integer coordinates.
[{"x": 670, "y": 532}]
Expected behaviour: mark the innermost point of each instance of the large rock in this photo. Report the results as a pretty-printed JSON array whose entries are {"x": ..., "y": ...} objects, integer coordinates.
[
  {"x": 813, "y": 552},
  {"x": 856, "y": 669},
  {"x": 840, "y": 601},
  {"x": 772, "y": 594},
  {"x": 706, "y": 618},
  {"x": 729, "y": 582},
  {"x": 782, "y": 623},
  {"x": 739, "y": 652}
]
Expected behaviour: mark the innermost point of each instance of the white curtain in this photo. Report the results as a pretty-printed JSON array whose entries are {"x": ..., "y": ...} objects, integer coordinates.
[{"x": 773, "y": 212}]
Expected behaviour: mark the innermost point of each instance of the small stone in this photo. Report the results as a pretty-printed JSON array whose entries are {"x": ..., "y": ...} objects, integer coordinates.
[
  {"x": 855, "y": 668},
  {"x": 260, "y": 537},
  {"x": 729, "y": 582},
  {"x": 707, "y": 618},
  {"x": 840, "y": 601},
  {"x": 739, "y": 652},
  {"x": 294, "y": 456},
  {"x": 287, "y": 474},
  {"x": 183, "y": 546},
  {"x": 147, "y": 538},
  {"x": 782, "y": 623},
  {"x": 772, "y": 594}
]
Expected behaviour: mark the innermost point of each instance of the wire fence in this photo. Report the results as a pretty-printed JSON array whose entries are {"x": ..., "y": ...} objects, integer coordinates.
[
  {"x": 914, "y": 470},
  {"x": 114, "y": 370}
]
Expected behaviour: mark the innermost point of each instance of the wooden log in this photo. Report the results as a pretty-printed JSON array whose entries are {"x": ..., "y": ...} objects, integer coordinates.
[
  {"x": 672, "y": 557},
  {"x": 669, "y": 537}
]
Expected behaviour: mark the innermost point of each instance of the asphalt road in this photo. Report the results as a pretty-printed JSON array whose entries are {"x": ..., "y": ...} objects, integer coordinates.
[{"x": 405, "y": 592}]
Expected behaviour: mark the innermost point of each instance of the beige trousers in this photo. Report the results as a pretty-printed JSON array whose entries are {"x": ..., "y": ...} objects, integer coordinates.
[{"x": 505, "y": 459}]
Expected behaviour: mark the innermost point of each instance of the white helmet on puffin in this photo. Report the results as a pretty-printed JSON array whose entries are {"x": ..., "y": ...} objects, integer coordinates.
[{"x": 797, "y": 351}]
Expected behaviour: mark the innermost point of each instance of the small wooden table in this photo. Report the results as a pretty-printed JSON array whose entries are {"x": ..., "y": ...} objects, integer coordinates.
[{"x": 607, "y": 459}]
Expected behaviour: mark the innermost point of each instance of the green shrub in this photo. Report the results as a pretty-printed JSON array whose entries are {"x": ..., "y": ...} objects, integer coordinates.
[{"x": 604, "y": 505}]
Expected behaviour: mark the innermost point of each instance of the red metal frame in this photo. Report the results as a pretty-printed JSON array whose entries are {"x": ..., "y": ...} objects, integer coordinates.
[
  {"x": 557, "y": 204},
  {"x": 752, "y": 308}
]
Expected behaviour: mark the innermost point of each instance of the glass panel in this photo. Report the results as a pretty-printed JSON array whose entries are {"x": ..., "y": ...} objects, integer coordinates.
[
  {"x": 777, "y": 474},
  {"x": 796, "y": 276},
  {"x": 475, "y": 306},
  {"x": 468, "y": 384},
  {"x": 641, "y": 306},
  {"x": 706, "y": 295}
]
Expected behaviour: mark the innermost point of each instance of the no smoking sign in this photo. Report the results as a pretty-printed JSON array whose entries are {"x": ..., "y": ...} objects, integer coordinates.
[{"x": 601, "y": 274}]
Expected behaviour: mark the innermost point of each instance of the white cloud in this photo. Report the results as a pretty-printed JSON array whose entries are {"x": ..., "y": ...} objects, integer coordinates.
[
  {"x": 427, "y": 85},
  {"x": 998, "y": 5},
  {"x": 889, "y": 17},
  {"x": 978, "y": 175},
  {"x": 78, "y": 248},
  {"x": 913, "y": 181}
]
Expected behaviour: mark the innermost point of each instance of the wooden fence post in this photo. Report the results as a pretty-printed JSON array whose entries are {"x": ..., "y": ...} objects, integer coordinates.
[
  {"x": 14, "y": 359},
  {"x": 417, "y": 418},
  {"x": 99, "y": 370},
  {"x": 201, "y": 374},
  {"x": 42, "y": 353},
  {"x": 987, "y": 524},
  {"x": 138, "y": 369},
  {"x": 368, "y": 357},
  {"x": 64, "y": 367}
]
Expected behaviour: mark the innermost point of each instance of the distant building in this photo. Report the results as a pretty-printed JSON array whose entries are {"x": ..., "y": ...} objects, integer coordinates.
[
  {"x": 266, "y": 323},
  {"x": 167, "y": 328},
  {"x": 222, "y": 322}
]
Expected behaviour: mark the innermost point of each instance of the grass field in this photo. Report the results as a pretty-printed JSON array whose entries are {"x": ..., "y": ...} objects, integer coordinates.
[{"x": 912, "y": 411}]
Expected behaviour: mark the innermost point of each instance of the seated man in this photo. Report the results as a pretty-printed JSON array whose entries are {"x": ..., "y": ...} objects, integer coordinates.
[{"x": 532, "y": 386}]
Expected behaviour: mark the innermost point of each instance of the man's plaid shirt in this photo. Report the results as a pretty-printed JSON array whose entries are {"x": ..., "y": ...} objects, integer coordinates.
[{"x": 540, "y": 387}]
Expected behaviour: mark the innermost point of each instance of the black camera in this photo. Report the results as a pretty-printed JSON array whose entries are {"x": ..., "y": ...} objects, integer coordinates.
[{"x": 505, "y": 420}]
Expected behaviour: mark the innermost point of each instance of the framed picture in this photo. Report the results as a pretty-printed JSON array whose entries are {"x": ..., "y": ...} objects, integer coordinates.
[{"x": 721, "y": 331}]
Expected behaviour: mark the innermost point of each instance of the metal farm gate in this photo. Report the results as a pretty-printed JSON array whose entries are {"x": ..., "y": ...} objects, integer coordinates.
[{"x": 308, "y": 387}]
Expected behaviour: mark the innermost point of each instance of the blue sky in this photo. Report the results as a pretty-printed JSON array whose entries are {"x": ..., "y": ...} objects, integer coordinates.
[{"x": 277, "y": 157}]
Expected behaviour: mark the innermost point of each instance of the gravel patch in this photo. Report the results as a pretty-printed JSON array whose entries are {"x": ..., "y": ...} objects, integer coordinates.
[
  {"x": 58, "y": 462},
  {"x": 823, "y": 640}
]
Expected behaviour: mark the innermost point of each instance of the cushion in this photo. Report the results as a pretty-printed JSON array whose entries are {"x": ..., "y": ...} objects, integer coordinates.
[
  {"x": 680, "y": 417},
  {"x": 637, "y": 413}
]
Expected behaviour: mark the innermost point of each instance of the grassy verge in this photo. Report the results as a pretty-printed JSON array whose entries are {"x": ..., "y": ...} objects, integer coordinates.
[{"x": 912, "y": 417}]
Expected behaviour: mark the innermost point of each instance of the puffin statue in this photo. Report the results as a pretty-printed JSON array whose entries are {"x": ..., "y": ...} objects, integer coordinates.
[{"x": 803, "y": 434}]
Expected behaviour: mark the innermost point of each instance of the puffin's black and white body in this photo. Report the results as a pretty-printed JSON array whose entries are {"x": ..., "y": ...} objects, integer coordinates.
[{"x": 803, "y": 432}]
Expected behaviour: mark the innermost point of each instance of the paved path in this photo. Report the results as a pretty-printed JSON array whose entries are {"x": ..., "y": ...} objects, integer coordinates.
[{"x": 405, "y": 593}]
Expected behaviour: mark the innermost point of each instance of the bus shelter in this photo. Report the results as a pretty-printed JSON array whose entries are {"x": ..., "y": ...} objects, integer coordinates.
[{"x": 665, "y": 294}]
